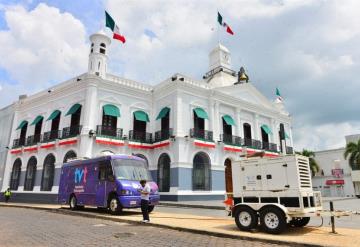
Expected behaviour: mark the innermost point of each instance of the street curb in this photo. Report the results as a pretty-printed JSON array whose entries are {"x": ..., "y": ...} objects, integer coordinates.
[
  {"x": 190, "y": 206},
  {"x": 209, "y": 233}
]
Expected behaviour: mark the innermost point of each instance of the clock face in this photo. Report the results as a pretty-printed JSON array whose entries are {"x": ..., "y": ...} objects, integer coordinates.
[{"x": 226, "y": 58}]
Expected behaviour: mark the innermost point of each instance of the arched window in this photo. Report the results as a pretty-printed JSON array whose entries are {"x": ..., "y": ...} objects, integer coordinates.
[
  {"x": 164, "y": 173},
  {"x": 143, "y": 157},
  {"x": 265, "y": 139},
  {"x": 30, "y": 174},
  {"x": 201, "y": 174},
  {"x": 247, "y": 134},
  {"x": 69, "y": 155},
  {"x": 15, "y": 174},
  {"x": 48, "y": 173}
]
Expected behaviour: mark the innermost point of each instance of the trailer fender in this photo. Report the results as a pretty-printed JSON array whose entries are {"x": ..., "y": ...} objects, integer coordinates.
[{"x": 235, "y": 207}]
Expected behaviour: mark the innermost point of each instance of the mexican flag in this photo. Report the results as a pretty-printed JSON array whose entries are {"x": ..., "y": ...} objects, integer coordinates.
[
  {"x": 278, "y": 95},
  {"x": 110, "y": 23},
  {"x": 224, "y": 24}
]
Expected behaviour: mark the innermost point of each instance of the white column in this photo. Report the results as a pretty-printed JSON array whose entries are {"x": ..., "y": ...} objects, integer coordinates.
[
  {"x": 238, "y": 127},
  {"x": 216, "y": 120},
  {"x": 91, "y": 112},
  {"x": 256, "y": 128},
  {"x": 275, "y": 136},
  {"x": 179, "y": 111}
]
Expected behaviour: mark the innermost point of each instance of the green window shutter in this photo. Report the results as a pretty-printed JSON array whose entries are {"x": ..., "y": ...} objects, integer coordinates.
[
  {"x": 229, "y": 120},
  {"x": 73, "y": 109},
  {"x": 22, "y": 124},
  {"x": 163, "y": 113},
  {"x": 37, "y": 119},
  {"x": 201, "y": 113},
  {"x": 54, "y": 115},
  {"x": 141, "y": 116},
  {"x": 266, "y": 129},
  {"x": 111, "y": 110}
]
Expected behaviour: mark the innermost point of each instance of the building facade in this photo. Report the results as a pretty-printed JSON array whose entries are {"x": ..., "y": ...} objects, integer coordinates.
[
  {"x": 334, "y": 178},
  {"x": 188, "y": 130},
  {"x": 355, "y": 171}
]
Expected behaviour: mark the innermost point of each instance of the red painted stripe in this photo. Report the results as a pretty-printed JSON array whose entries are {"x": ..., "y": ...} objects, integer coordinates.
[
  {"x": 208, "y": 145},
  {"x": 232, "y": 149},
  {"x": 139, "y": 146},
  {"x": 271, "y": 155},
  {"x": 48, "y": 146},
  {"x": 30, "y": 149},
  {"x": 15, "y": 151},
  {"x": 161, "y": 145},
  {"x": 67, "y": 142},
  {"x": 110, "y": 143}
]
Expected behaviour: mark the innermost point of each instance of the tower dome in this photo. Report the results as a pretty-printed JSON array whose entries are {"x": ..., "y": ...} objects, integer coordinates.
[{"x": 98, "y": 53}]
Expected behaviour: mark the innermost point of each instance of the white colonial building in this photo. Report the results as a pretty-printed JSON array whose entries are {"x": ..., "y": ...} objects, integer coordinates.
[{"x": 188, "y": 130}]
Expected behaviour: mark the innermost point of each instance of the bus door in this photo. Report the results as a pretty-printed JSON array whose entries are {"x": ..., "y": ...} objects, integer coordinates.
[{"x": 101, "y": 187}]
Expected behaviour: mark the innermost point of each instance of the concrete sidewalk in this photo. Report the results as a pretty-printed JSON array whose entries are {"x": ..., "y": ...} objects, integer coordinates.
[{"x": 307, "y": 236}]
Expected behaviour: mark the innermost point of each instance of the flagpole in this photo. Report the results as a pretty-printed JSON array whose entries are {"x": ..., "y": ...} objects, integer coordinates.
[{"x": 218, "y": 28}]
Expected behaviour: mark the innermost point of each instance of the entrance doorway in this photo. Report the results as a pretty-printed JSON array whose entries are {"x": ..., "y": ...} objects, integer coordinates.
[{"x": 228, "y": 178}]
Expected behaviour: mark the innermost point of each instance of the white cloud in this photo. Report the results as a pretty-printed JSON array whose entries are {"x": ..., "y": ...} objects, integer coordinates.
[
  {"x": 325, "y": 136},
  {"x": 41, "y": 46}
]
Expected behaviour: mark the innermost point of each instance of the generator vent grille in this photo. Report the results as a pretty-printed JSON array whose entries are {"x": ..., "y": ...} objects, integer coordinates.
[{"x": 304, "y": 173}]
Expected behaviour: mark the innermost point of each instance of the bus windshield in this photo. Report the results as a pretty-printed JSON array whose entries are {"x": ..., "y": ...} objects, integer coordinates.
[{"x": 130, "y": 169}]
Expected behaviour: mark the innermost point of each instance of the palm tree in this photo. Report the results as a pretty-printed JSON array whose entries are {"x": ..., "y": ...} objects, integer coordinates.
[
  {"x": 314, "y": 166},
  {"x": 353, "y": 151}
]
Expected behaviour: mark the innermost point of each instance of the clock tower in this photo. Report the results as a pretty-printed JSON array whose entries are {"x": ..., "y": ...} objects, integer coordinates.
[
  {"x": 220, "y": 73},
  {"x": 219, "y": 57}
]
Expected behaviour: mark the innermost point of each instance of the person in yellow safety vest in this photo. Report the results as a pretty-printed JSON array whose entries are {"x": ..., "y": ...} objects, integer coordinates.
[{"x": 7, "y": 194}]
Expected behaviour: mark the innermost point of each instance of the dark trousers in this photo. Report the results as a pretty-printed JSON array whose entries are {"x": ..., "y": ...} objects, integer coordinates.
[
  {"x": 7, "y": 198},
  {"x": 145, "y": 209}
]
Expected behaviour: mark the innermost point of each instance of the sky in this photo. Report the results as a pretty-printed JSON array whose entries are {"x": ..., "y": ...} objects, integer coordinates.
[{"x": 309, "y": 49}]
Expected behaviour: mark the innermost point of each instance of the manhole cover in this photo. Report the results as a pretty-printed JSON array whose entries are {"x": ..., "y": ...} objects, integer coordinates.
[{"x": 124, "y": 234}]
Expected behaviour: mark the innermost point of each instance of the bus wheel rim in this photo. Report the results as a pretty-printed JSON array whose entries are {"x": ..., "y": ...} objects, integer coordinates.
[{"x": 113, "y": 204}]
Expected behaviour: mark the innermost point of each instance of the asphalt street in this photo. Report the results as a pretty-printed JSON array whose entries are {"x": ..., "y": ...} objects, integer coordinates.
[{"x": 28, "y": 227}]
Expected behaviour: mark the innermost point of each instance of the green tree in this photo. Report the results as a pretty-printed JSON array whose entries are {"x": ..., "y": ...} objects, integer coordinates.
[
  {"x": 314, "y": 166},
  {"x": 352, "y": 151}
]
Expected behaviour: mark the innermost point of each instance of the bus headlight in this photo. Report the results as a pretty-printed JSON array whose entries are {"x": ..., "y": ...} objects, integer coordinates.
[{"x": 125, "y": 192}]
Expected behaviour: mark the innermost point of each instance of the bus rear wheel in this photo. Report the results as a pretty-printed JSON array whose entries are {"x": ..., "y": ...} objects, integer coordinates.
[
  {"x": 73, "y": 202},
  {"x": 114, "y": 205}
]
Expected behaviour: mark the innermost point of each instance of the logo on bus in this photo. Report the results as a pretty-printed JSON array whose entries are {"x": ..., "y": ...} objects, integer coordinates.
[{"x": 80, "y": 175}]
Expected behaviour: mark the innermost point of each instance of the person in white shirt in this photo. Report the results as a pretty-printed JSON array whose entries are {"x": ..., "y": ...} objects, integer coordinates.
[{"x": 145, "y": 197}]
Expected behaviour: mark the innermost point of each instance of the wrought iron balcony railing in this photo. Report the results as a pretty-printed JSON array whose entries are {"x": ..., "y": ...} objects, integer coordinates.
[
  {"x": 32, "y": 140},
  {"x": 205, "y": 135},
  {"x": 289, "y": 150},
  {"x": 18, "y": 142},
  {"x": 162, "y": 135},
  {"x": 252, "y": 143},
  {"x": 111, "y": 132},
  {"x": 71, "y": 131},
  {"x": 51, "y": 135},
  {"x": 231, "y": 140},
  {"x": 268, "y": 146},
  {"x": 139, "y": 136}
]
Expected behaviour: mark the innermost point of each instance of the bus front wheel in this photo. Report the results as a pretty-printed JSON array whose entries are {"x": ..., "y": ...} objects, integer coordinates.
[
  {"x": 73, "y": 202},
  {"x": 114, "y": 206}
]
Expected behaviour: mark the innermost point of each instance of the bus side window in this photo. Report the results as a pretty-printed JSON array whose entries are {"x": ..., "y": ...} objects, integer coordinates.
[{"x": 104, "y": 170}]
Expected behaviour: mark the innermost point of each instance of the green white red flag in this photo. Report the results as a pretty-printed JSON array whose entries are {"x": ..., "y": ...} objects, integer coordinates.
[
  {"x": 110, "y": 23},
  {"x": 224, "y": 24}
]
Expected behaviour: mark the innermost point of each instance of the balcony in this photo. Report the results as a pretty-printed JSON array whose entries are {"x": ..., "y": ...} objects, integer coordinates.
[
  {"x": 71, "y": 131},
  {"x": 33, "y": 140},
  {"x": 18, "y": 142},
  {"x": 51, "y": 135},
  {"x": 204, "y": 135},
  {"x": 251, "y": 143},
  {"x": 139, "y": 136},
  {"x": 289, "y": 150},
  {"x": 162, "y": 135},
  {"x": 268, "y": 146},
  {"x": 231, "y": 140},
  {"x": 109, "y": 132}
]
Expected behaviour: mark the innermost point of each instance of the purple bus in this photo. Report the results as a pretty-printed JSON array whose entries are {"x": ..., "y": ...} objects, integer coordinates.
[{"x": 110, "y": 181}]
